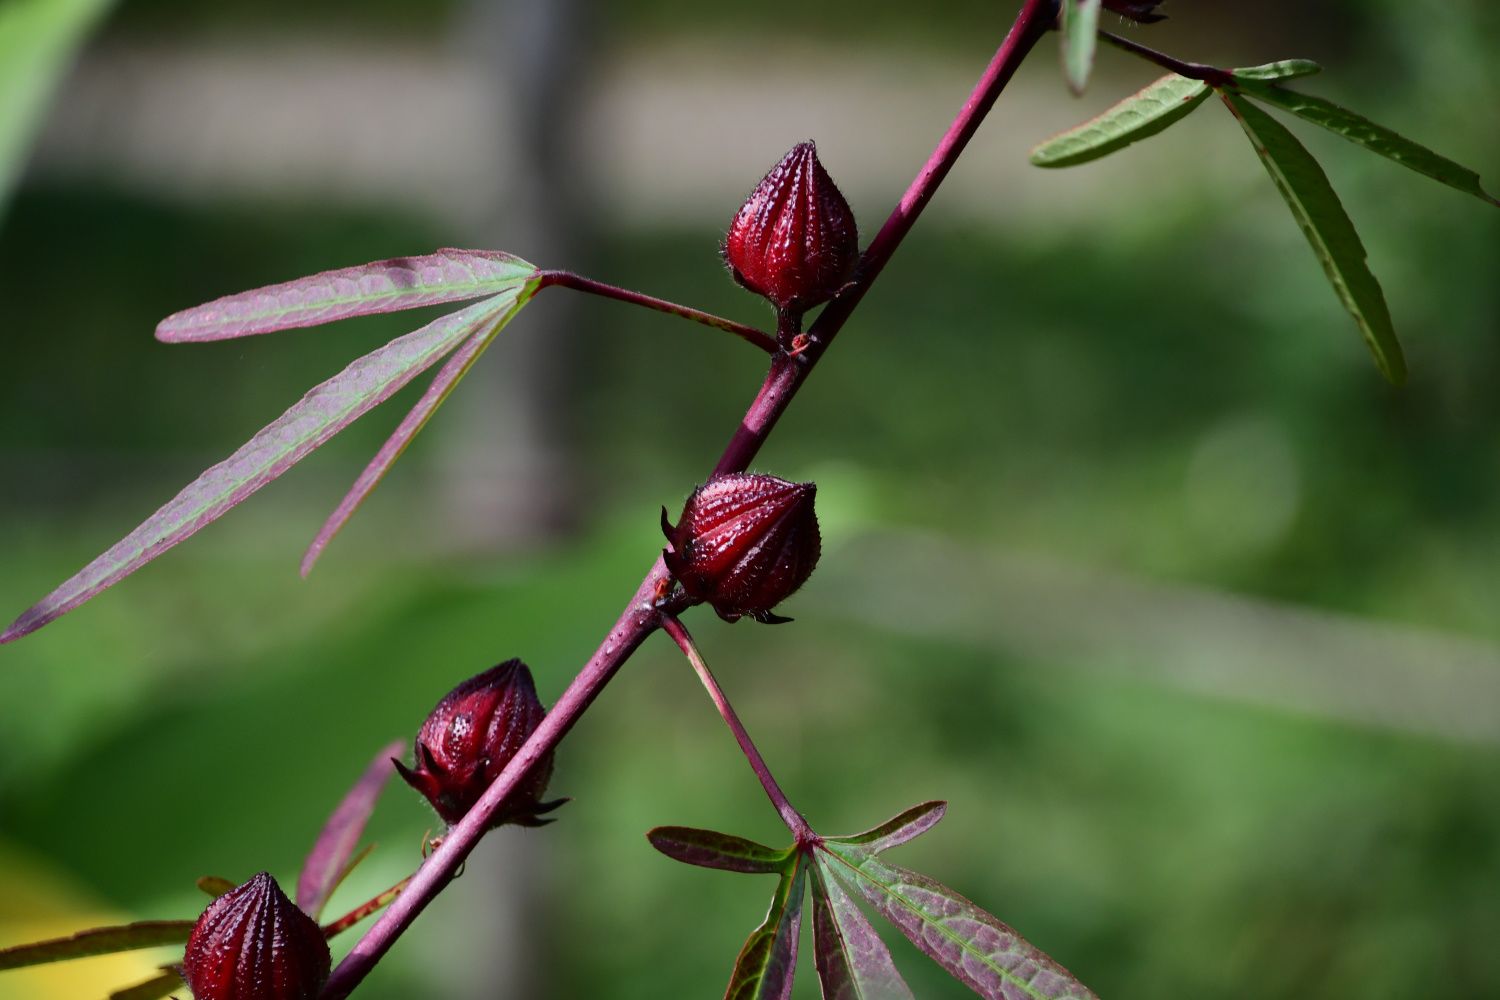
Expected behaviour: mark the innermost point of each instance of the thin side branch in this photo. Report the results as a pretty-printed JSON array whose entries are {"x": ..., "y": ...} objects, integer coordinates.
[
  {"x": 794, "y": 820},
  {"x": 577, "y": 282},
  {"x": 1214, "y": 76}
]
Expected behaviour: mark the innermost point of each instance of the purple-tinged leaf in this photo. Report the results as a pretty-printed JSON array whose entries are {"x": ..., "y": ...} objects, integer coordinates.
[
  {"x": 383, "y": 286},
  {"x": 1078, "y": 25},
  {"x": 975, "y": 947},
  {"x": 97, "y": 941},
  {"x": 322, "y": 413},
  {"x": 328, "y": 862},
  {"x": 711, "y": 849},
  {"x": 767, "y": 962},
  {"x": 152, "y": 989},
  {"x": 898, "y": 829},
  {"x": 853, "y": 963},
  {"x": 443, "y": 383},
  {"x": 214, "y": 885}
]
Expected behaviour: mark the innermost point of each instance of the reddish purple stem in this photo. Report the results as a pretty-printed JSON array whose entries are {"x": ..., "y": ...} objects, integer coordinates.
[
  {"x": 794, "y": 820},
  {"x": 577, "y": 282},
  {"x": 643, "y": 615}
]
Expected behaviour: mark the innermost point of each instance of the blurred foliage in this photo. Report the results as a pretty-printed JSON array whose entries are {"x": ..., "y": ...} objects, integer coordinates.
[{"x": 1181, "y": 398}]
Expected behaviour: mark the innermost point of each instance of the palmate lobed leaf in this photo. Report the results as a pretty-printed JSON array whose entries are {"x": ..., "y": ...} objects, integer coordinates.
[
  {"x": 974, "y": 946},
  {"x": 98, "y": 941},
  {"x": 853, "y": 963},
  {"x": 1321, "y": 216},
  {"x": 1138, "y": 117},
  {"x": 768, "y": 961},
  {"x": 1079, "y": 29},
  {"x": 724, "y": 851},
  {"x": 899, "y": 829},
  {"x": 1362, "y": 132},
  {"x": 324, "y": 411},
  {"x": 329, "y": 861},
  {"x": 447, "y": 275}
]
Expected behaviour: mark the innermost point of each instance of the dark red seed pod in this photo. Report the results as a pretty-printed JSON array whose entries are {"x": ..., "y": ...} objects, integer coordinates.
[
  {"x": 794, "y": 240},
  {"x": 744, "y": 543},
  {"x": 1140, "y": 11},
  {"x": 469, "y": 738},
  {"x": 252, "y": 943}
]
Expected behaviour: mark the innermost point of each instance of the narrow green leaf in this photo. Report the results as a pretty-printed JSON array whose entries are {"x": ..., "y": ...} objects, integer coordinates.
[
  {"x": 98, "y": 941},
  {"x": 1285, "y": 69},
  {"x": 322, "y": 413},
  {"x": 767, "y": 962},
  {"x": 898, "y": 829},
  {"x": 724, "y": 851},
  {"x": 1080, "y": 36},
  {"x": 975, "y": 947},
  {"x": 1321, "y": 217},
  {"x": 214, "y": 885},
  {"x": 853, "y": 963},
  {"x": 1376, "y": 138},
  {"x": 382, "y": 286},
  {"x": 1137, "y": 117},
  {"x": 152, "y": 989}
]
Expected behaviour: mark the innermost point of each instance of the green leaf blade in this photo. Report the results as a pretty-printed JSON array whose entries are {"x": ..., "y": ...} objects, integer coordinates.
[
  {"x": 1284, "y": 69},
  {"x": 1321, "y": 217},
  {"x": 98, "y": 941},
  {"x": 853, "y": 963},
  {"x": 767, "y": 962},
  {"x": 323, "y": 412},
  {"x": 1138, "y": 117},
  {"x": 1376, "y": 138},
  {"x": 379, "y": 287},
  {"x": 898, "y": 829},
  {"x": 974, "y": 946},
  {"x": 1079, "y": 29},
  {"x": 723, "y": 851}
]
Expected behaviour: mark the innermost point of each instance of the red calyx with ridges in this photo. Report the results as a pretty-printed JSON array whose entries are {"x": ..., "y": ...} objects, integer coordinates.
[
  {"x": 471, "y": 736},
  {"x": 794, "y": 240},
  {"x": 253, "y": 943},
  {"x": 745, "y": 542}
]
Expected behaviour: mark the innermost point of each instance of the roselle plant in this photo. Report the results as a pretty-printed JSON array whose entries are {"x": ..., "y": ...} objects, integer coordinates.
[{"x": 742, "y": 545}]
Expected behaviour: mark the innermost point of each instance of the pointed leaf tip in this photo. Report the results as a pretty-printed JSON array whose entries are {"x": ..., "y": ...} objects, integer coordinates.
[
  {"x": 328, "y": 862},
  {"x": 1079, "y": 27},
  {"x": 382, "y": 286},
  {"x": 1321, "y": 217}
]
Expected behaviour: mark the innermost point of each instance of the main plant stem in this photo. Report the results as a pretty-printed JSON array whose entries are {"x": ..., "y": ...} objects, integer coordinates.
[
  {"x": 642, "y": 615},
  {"x": 795, "y": 821}
]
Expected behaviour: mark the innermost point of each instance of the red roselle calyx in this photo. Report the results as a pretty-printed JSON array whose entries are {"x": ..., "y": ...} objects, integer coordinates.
[
  {"x": 744, "y": 543},
  {"x": 794, "y": 240},
  {"x": 469, "y": 738},
  {"x": 252, "y": 943}
]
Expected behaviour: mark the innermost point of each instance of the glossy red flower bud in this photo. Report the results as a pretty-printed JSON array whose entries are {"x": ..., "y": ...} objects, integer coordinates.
[
  {"x": 252, "y": 943},
  {"x": 744, "y": 544},
  {"x": 469, "y": 738},
  {"x": 794, "y": 240}
]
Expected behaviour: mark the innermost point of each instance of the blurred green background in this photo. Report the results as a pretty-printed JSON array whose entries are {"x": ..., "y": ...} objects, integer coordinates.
[{"x": 1131, "y": 555}]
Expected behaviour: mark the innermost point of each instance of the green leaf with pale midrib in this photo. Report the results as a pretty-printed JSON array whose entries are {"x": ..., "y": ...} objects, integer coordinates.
[
  {"x": 768, "y": 960},
  {"x": 1284, "y": 69},
  {"x": 1138, "y": 117},
  {"x": 1321, "y": 216},
  {"x": 1376, "y": 138}
]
